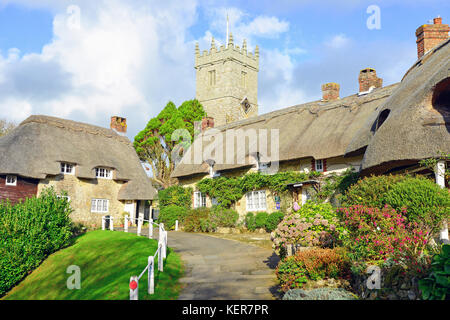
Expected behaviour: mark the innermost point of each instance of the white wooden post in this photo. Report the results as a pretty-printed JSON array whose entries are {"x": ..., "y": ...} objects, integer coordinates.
[
  {"x": 150, "y": 229},
  {"x": 161, "y": 228},
  {"x": 103, "y": 222},
  {"x": 160, "y": 259},
  {"x": 125, "y": 223},
  {"x": 163, "y": 245},
  {"x": 134, "y": 291},
  {"x": 176, "y": 225},
  {"x": 139, "y": 227},
  {"x": 151, "y": 275},
  {"x": 111, "y": 223},
  {"x": 439, "y": 172}
]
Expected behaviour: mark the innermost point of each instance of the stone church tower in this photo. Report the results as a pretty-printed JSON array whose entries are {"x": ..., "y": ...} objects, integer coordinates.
[{"x": 227, "y": 81}]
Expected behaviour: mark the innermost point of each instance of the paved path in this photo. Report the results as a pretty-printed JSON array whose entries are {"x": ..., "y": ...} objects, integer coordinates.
[{"x": 221, "y": 269}]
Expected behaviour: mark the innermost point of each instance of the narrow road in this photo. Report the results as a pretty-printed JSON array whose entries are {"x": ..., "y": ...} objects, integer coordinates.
[{"x": 221, "y": 269}]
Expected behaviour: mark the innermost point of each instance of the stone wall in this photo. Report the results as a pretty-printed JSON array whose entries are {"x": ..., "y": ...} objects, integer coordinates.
[{"x": 82, "y": 191}]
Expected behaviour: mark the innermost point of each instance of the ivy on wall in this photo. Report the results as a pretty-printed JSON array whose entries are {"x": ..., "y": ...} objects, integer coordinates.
[{"x": 228, "y": 190}]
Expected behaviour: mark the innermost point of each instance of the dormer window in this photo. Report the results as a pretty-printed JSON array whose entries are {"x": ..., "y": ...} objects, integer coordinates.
[
  {"x": 11, "y": 180},
  {"x": 103, "y": 173},
  {"x": 67, "y": 168}
]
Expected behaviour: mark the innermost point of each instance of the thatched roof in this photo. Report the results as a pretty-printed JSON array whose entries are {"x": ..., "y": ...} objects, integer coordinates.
[
  {"x": 317, "y": 129},
  {"x": 414, "y": 128},
  {"x": 37, "y": 146}
]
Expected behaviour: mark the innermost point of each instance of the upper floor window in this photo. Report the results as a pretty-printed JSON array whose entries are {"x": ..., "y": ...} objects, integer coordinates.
[
  {"x": 199, "y": 199},
  {"x": 67, "y": 168},
  {"x": 212, "y": 77},
  {"x": 11, "y": 180},
  {"x": 103, "y": 173},
  {"x": 319, "y": 165},
  {"x": 256, "y": 200}
]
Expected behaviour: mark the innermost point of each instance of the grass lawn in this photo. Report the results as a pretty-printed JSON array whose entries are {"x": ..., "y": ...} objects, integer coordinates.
[{"x": 107, "y": 259}]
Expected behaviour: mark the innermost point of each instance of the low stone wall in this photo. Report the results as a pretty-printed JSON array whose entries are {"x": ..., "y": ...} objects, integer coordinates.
[{"x": 393, "y": 286}]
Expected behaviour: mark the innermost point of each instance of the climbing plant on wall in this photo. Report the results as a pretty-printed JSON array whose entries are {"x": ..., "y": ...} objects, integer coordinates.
[{"x": 228, "y": 190}]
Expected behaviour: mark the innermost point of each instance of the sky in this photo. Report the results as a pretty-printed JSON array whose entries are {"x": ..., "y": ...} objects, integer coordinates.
[{"x": 89, "y": 60}]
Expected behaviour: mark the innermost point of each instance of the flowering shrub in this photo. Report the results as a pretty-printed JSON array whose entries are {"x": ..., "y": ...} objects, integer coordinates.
[
  {"x": 376, "y": 234},
  {"x": 312, "y": 264},
  {"x": 313, "y": 225}
]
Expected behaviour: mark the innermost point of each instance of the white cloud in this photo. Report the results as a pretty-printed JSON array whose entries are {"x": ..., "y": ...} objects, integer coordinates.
[{"x": 338, "y": 41}]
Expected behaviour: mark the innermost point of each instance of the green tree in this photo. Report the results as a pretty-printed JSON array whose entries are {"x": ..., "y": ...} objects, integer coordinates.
[
  {"x": 6, "y": 127},
  {"x": 155, "y": 144}
]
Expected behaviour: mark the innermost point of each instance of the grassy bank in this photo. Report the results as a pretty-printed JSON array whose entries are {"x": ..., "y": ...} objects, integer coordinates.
[{"x": 106, "y": 259}]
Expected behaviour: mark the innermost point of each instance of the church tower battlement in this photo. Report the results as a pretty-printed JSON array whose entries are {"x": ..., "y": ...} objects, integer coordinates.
[{"x": 227, "y": 81}]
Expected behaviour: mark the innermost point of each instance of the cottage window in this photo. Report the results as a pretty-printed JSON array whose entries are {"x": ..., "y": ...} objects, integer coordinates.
[
  {"x": 11, "y": 180},
  {"x": 103, "y": 173},
  {"x": 99, "y": 205},
  {"x": 199, "y": 199},
  {"x": 319, "y": 165},
  {"x": 256, "y": 200},
  {"x": 67, "y": 168}
]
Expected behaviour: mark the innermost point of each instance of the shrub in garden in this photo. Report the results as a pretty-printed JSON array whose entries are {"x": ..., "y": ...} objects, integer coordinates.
[
  {"x": 370, "y": 191},
  {"x": 436, "y": 286},
  {"x": 29, "y": 232},
  {"x": 250, "y": 222},
  {"x": 426, "y": 202},
  {"x": 376, "y": 234},
  {"x": 320, "y": 294},
  {"x": 312, "y": 264},
  {"x": 175, "y": 195},
  {"x": 195, "y": 218},
  {"x": 273, "y": 220},
  {"x": 168, "y": 215},
  {"x": 313, "y": 225},
  {"x": 261, "y": 219},
  {"x": 225, "y": 218}
]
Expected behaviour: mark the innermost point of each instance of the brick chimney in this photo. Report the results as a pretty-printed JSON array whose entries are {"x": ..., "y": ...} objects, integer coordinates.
[
  {"x": 330, "y": 91},
  {"x": 119, "y": 125},
  {"x": 430, "y": 35},
  {"x": 207, "y": 122},
  {"x": 367, "y": 79}
]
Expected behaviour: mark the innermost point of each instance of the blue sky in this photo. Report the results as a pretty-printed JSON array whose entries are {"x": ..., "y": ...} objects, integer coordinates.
[{"x": 129, "y": 58}]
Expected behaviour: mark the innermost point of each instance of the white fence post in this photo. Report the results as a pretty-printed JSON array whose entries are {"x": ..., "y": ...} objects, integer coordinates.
[
  {"x": 125, "y": 224},
  {"x": 111, "y": 223},
  {"x": 150, "y": 229},
  {"x": 164, "y": 245},
  {"x": 151, "y": 275},
  {"x": 134, "y": 288},
  {"x": 139, "y": 228},
  {"x": 103, "y": 222},
  {"x": 176, "y": 225},
  {"x": 160, "y": 259}
]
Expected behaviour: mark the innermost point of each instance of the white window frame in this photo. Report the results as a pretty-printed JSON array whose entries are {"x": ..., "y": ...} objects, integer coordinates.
[
  {"x": 199, "y": 199},
  {"x": 256, "y": 200},
  {"x": 67, "y": 168},
  {"x": 100, "y": 205},
  {"x": 12, "y": 180},
  {"x": 318, "y": 165},
  {"x": 103, "y": 173}
]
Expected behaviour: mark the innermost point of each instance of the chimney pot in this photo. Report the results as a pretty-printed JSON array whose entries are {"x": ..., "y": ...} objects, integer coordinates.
[
  {"x": 368, "y": 79},
  {"x": 119, "y": 124},
  {"x": 431, "y": 35},
  {"x": 330, "y": 91}
]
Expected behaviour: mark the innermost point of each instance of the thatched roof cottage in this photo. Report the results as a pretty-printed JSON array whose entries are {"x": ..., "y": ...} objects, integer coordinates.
[{"x": 97, "y": 167}]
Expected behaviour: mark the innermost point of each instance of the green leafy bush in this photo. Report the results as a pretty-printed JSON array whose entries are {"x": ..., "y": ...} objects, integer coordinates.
[
  {"x": 312, "y": 264},
  {"x": 273, "y": 220},
  {"x": 424, "y": 200},
  {"x": 436, "y": 286},
  {"x": 261, "y": 219},
  {"x": 197, "y": 220},
  {"x": 175, "y": 195},
  {"x": 250, "y": 222},
  {"x": 370, "y": 191},
  {"x": 225, "y": 218},
  {"x": 29, "y": 232},
  {"x": 168, "y": 215}
]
